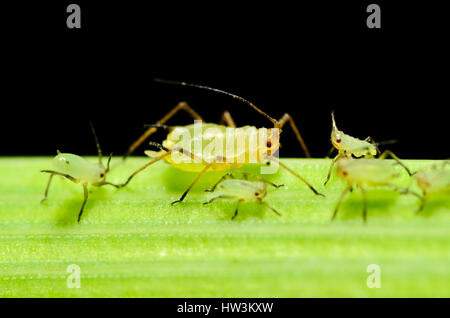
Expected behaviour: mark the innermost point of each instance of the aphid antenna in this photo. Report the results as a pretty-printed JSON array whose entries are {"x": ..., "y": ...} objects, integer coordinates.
[
  {"x": 166, "y": 127},
  {"x": 99, "y": 150},
  {"x": 158, "y": 145},
  {"x": 274, "y": 121}
]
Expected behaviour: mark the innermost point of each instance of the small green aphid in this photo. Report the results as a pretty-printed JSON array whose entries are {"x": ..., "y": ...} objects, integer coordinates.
[
  {"x": 435, "y": 180},
  {"x": 79, "y": 170},
  {"x": 348, "y": 146},
  {"x": 367, "y": 172},
  {"x": 239, "y": 190}
]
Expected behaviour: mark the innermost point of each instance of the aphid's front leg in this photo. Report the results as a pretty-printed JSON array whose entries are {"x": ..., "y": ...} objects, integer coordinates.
[
  {"x": 227, "y": 119},
  {"x": 140, "y": 169},
  {"x": 181, "y": 106},
  {"x": 295, "y": 174},
  {"x": 331, "y": 168},
  {"x": 393, "y": 156},
  {"x": 47, "y": 187},
  {"x": 84, "y": 201},
  {"x": 286, "y": 117},
  {"x": 342, "y": 196}
]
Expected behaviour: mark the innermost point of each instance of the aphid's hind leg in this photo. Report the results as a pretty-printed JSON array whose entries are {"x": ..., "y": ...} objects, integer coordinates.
[
  {"x": 331, "y": 169},
  {"x": 393, "y": 156},
  {"x": 47, "y": 187},
  {"x": 225, "y": 176},
  {"x": 342, "y": 196},
  {"x": 295, "y": 174},
  {"x": 181, "y": 106},
  {"x": 84, "y": 201},
  {"x": 286, "y": 117},
  {"x": 227, "y": 119}
]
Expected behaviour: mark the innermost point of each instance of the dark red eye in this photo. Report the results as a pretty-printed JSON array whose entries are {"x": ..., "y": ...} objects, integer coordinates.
[
  {"x": 102, "y": 175},
  {"x": 256, "y": 193},
  {"x": 344, "y": 173},
  {"x": 269, "y": 144},
  {"x": 338, "y": 140}
]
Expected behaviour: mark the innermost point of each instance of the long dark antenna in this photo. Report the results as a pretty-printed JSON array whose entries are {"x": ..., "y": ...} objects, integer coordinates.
[
  {"x": 274, "y": 121},
  {"x": 99, "y": 150}
]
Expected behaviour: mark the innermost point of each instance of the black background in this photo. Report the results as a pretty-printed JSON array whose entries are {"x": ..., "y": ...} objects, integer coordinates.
[{"x": 298, "y": 57}]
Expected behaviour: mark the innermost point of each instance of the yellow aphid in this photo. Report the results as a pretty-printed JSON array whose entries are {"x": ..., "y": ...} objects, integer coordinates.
[
  {"x": 435, "y": 180},
  {"x": 79, "y": 170},
  {"x": 348, "y": 146},
  {"x": 361, "y": 173},
  {"x": 241, "y": 191},
  {"x": 195, "y": 157}
]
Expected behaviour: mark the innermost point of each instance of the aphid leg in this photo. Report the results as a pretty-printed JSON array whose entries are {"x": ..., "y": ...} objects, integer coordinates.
[
  {"x": 295, "y": 174},
  {"x": 206, "y": 168},
  {"x": 236, "y": 210},
  {"x": 330, "y": 152},
  {"x": 364, "y": 196},
  {"x": 275, "y": 211},
  {"x": 339, "y": 202},
  {"x": 47, "y": 187},
  {"x": 245, "y": 174},
  {"x": 108, "y": 163},
  {"x": 181, "y": 106},
  {"x": 218, "y": 197},
  {"x": 227, "y": 119},
  {"x": 62, "y": 174},
  {"x": 99, "y": 150},
  {"x": 142, "y": 168},
  {"x": 227, "y": 175},
  {"x": 84, "y": 201},
  {"x": 331, "y": 169},
  {"x": 286, "y": 117},
  {"x": 393, "y": 156}
]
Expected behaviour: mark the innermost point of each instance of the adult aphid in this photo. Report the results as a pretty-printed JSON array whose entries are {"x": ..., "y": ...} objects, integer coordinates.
[
  {"x": 435, "y": 180},
  {"x": 239, "y": 190},
  {"x": 367, "y": 172},
  {"x": 348, "y": 146},
  {"x": 201, "y": 164},
  {"x": 79, "y": 170}
]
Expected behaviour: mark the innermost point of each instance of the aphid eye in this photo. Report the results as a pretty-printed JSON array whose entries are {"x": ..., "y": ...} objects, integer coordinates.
[
  {"x": 344, "y": 173},
  {"x": 338, "y": 140},
  {"x": 256, "y": 193},
  {"x": 269, "y": 144},
  {"x": 102, "y": 175}
]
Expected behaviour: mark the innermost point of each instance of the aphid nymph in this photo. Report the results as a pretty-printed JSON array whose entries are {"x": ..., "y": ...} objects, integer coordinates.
[
  {"x": 239, "y": 190},
  {"x": 348, "y": 146},
  {"x": 79, "y": 170},
  {"x": 366, "y": 172},
  {"x": 434, "y": 180}
]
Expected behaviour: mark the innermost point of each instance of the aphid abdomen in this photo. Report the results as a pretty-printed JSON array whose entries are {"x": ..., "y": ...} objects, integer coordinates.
[
  {"x": 371, "y": 172},
  {"x": 78, "y": 168},
  {"x": 242, "y": 189}
]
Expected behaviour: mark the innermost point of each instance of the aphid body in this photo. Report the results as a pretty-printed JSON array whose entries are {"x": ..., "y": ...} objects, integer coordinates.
[
  {"x": 79, "y": 168},
  {"x": 367, "y": 172},
  {"x": 201, "y": 162},
  {"x": 242, "y": 191}
]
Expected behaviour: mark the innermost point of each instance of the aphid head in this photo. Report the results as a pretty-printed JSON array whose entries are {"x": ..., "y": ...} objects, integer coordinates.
[
  {"x": 260, "y": 190},
  {"x": 336, "y": 134},
  {"x": 342, "y": 167},
  {"x": 273, "y": 141}
]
